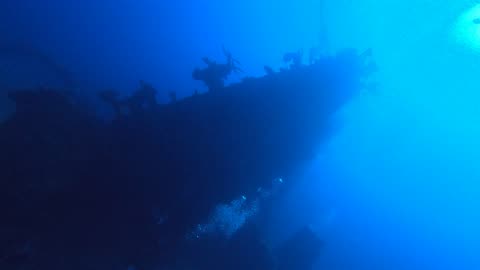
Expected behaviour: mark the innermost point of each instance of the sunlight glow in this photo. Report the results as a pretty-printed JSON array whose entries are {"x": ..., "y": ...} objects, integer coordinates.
[{"x": 467, "y": 29}]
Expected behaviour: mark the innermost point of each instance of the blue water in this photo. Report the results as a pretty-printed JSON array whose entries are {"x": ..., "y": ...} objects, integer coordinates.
[
  {"x": 399, "y": 184},
  {"x": 397, "y": 187}
]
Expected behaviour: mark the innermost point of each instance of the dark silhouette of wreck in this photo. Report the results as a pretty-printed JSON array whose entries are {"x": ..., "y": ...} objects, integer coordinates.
[{"x": 79, "y": 193}]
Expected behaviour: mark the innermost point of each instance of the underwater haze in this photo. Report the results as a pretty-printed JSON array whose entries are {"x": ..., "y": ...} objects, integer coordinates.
[
  {"x": 398, "y": 186},
  {"x": 397, "y": 183}
]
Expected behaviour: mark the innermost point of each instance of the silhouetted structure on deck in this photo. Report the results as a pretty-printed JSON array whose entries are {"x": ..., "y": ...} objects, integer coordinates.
[
  {"x": 294, "y": 58},
  {"x": 214, "y": 75}
]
